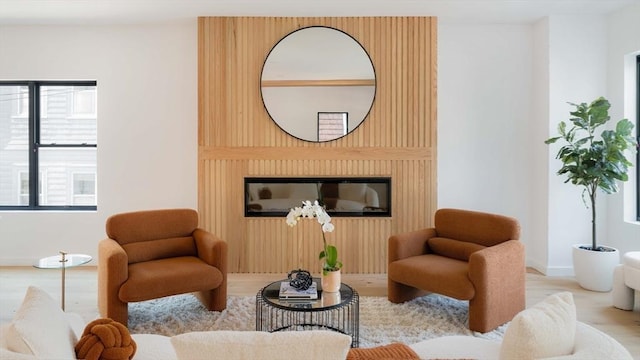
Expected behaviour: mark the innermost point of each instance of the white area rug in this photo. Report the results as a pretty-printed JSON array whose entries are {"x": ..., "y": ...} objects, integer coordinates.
[{"x": 381, "y": 322}]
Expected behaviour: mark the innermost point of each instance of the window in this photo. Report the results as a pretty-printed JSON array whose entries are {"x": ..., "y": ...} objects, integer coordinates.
[
  {"x": 84, "y": 188},
  {"x": 638, "y": 137},
  {"x": 24, "y": 188},
  {"x": 48, "y": 145}
]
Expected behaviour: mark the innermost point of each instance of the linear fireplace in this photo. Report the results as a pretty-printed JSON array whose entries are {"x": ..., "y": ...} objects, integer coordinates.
[{"x": 353, "y": 196}]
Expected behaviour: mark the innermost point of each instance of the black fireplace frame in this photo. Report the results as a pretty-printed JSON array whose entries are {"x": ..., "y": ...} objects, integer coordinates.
[{"x": 381, "y": 185}]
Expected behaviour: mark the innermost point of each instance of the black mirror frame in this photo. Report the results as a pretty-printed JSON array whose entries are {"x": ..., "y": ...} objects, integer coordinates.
[{"x": 375, "y": 86}]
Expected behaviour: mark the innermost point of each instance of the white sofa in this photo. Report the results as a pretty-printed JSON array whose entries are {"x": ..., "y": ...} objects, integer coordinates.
[
  {"x": 626, "y": 281},
  {"x": 41, "y": 330}
]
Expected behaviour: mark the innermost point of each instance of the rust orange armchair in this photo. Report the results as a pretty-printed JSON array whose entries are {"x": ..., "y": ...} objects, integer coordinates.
[
  {"x": 467, "y": 255},
  {"x": 157, "y": 253}
]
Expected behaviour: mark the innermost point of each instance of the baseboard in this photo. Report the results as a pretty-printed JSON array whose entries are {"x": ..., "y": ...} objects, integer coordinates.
[
  {"x": 550, "y": 270},
  {"x": 560, "y": 271},
  {"x": 17, "y": 261}
]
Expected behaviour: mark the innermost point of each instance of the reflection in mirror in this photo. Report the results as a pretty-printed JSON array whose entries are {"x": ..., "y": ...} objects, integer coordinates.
[
  {"x": 317, "y": 70},
  {"x": 332, "y": 125},
  {"x": 340, "y": 196}
]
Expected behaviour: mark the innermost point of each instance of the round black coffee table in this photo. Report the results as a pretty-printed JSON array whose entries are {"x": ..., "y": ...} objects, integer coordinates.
[{"x": 331, "y": 311}]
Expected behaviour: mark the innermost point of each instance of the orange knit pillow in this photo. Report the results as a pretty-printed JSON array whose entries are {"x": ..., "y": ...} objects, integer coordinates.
[
  {"x": 394, "y": 351},
  {"x": 104, "y": 339}
]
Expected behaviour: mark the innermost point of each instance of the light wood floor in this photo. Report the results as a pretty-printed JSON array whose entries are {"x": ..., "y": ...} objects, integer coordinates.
[{"x": 593, "y": 308}]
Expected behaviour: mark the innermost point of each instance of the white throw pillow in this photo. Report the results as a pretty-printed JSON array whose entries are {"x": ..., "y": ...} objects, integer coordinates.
[
  {"x": 352, "y": 191},
  {"x": 41, "y": 328},
  {"x": 253, "y": 191},
  {"x": 153, "y": 347},
  {"x": 304, "y": 192},
  {"x": 10, "y": 355},
  {"x": 250, "y": 345},
  {"x": 547, "y": 329}
]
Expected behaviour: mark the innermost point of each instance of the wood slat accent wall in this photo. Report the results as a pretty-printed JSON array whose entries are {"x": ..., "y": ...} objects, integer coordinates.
[{"x": 236, "y": 138}]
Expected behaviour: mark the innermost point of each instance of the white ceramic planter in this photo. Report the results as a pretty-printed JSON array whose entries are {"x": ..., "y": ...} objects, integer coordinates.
[
  {"x": 594, "y": 269},
  {"x": 331, "y": 281}
]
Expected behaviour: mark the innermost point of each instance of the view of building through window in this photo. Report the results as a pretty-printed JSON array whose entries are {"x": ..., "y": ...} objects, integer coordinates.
[
  {"x": 48, "y": 144},
  {"x": 332, "y": 125}
]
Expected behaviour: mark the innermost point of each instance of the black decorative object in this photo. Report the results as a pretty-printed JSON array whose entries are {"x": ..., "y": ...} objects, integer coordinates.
[{"x": 299, "y": 279}]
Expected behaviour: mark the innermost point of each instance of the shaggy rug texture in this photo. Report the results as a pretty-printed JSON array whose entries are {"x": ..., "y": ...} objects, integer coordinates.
[{"x": 381, "y": 322}]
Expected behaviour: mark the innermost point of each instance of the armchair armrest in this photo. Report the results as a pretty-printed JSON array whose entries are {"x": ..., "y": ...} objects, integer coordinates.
[
  {"x": 408, "y": 244},
  {"x": 498, "y": 275},
  {"x": 113, "y": 271},
  {"x": 211, "y": 249},
  {"x": 500, "y": 263},
  {"x": 111, "y": 254}
]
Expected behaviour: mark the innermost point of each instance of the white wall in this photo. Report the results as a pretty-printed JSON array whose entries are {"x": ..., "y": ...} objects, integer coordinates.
[
  {"x": 538, "y": 249},
  {"x": 494, "y": 112},
  {"x": 484, "y": 115},
  {"x": 623, "y": 45},
  {"x": 502, "y": 89},
  {"x": 147, "y": 124},
  {"x": 577, "y": 63}
]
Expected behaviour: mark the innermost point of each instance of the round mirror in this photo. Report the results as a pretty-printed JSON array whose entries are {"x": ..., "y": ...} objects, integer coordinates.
[{"x": 318, "y": 84}]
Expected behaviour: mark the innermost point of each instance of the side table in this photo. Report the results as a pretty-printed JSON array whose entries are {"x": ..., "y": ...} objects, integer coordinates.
[
  {"x": 62, "y": 261},
  {"x": 331, "y": 311}
]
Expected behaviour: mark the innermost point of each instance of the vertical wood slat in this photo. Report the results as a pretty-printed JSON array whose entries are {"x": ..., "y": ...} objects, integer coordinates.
[{"x": 231, "y": 53}]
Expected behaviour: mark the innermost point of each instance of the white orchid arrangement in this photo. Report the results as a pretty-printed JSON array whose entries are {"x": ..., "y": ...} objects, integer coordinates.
[{"x": 315, "y": 210}]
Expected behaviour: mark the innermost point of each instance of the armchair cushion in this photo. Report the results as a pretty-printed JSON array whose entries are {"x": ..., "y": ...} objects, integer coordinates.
[
  {"x": 159, "y": 249},
  {"x": 477, "y": 227},
  {"x": 151, "y": 225},
  {"x": 159, "y": 278},
  {"x": 443, "y": 275},
  {"x": 455, "y": 249}
]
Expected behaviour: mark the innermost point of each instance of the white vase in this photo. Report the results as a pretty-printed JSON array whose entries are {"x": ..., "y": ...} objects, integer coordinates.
[
  {"x": 594, "y": 269},
  {"x": 331, "y": 281}
]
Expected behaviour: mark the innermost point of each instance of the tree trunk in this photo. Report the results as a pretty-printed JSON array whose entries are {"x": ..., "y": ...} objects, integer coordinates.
[{"x": 592, "y": 195}]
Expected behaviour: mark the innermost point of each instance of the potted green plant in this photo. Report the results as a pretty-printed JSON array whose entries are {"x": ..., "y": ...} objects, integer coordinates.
[
  {"x": 594, "y": 163},
  {"x": 331, "y": 266}
]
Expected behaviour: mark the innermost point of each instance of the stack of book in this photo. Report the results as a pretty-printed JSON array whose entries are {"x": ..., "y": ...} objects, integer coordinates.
[{"x": 288, "y": 292}]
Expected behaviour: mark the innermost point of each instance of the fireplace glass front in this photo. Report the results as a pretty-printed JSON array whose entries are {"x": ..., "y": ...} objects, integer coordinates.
[{"x": 267, "y": 197}]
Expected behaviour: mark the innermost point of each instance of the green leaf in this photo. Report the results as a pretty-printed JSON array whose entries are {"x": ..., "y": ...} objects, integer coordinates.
[
  {"x": 330, "y": 256},
  {"x": 624, "y": 127}
]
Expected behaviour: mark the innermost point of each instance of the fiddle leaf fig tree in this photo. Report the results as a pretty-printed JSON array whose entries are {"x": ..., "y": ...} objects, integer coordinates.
[{"x": 591, "y": 162}]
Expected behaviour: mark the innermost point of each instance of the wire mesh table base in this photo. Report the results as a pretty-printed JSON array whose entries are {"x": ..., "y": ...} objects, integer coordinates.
[{"x": 273, "y": 314}]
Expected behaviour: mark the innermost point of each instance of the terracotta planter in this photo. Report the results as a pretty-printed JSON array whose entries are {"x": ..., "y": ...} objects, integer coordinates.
[{"x": 331, "y": 281}]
